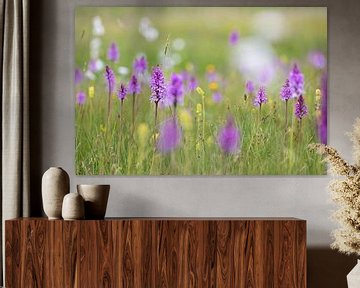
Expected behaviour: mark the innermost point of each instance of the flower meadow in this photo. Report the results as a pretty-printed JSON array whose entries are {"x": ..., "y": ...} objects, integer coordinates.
[{"x": 200, "y": 91}]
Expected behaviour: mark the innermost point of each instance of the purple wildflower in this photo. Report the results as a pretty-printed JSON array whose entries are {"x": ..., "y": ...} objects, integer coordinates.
[
  {"x": 134, "y": 89},
  {"x": 122, "y": 92},
  {"x": 175, "y": 90},
  {"x": 157, "y": 85},
  {"x": 285, "y": 92},
  {"x": 113, "y": 52},
  {"x": 322, "y": 121},
  {"x": 140, "y": 65},
  {"x": 261, "y": 97},
  {"x": 234, "y": 38},
  {"x": 212, "y": 76},
  {"x": 110, "y": 79},
  {"x": 229, "y": 137},
  {"x": 169, "y": 136},
  {"x": 92, "y": 65},
  {"x": 296, "y": 79},
  {"x": 300, "y": 108},
  {"x": 185, "y": 75},
  {"x": 189, "y": 81},
  {"x": 285, "y": 95},
  {"x": 193, "y": 83},
  {"x": 249, "y": 86},
  {"x": 217, "y": 97},
  {"x": 317, "y": 59},
  {"x": 80, "y": 98},
  {"x": 134, "y": 85},
  {"x": 78, "y": 76},
  {"x": 266, "y": 74}
]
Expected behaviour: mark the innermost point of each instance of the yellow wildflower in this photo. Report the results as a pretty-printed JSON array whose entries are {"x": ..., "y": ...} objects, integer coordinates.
[
  {"x": 209, "y": 141},
  {"x": 185, "y": 119},
  {"x": 318, "y": 95},
  {"x": 198, "y": 108},
  {"x": 155, "y": 136},
  {"x": 213, "y": 86},
  {"x": 200, "y": 91},
  {"x": 102, "y": 128},
  {"x": 91, "y": 91},
  {"x": 143, "y": 133}
]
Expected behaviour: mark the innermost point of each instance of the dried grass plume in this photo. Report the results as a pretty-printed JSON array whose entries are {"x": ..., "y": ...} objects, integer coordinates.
[{"x": 345, "y": 192}]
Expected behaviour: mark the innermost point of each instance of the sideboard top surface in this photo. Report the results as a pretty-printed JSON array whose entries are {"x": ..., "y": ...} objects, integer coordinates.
[{"x": 175, "y": 219}]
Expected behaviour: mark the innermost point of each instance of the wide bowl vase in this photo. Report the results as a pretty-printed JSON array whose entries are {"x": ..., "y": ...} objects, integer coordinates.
[{"x": 96, "y": 198}]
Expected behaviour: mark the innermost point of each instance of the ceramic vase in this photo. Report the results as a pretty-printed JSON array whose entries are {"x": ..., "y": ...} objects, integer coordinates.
[
  {"x": 73, "y": 207},
  {"x": 55, "y": 185},
  {"x": 353, "y": 278},
  {"x": 96, "y": 198}
]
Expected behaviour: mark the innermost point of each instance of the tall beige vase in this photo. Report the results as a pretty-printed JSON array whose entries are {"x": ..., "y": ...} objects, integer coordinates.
[
  {"x": 96, "y": 198},
  {"x": 55, "y": 185}
]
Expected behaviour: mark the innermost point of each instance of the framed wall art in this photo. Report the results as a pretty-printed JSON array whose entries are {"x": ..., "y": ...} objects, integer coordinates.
[{"x": 200, "y": 90}]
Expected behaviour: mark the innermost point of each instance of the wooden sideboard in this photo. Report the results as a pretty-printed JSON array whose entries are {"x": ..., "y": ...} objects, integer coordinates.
[{"x": 156, "y": 252}]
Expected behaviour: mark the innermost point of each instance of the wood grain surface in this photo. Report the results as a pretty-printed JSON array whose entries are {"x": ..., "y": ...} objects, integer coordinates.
[{"x": 157, "y": 253}]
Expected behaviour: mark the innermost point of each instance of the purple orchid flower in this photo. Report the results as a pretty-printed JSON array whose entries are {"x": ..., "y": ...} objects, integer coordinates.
[
  {"x": 169, "y": 136},
  {"x": 296, "y": 79},
  {"x": 229, "y": 137},
  {"x": 113, "y": 52}
]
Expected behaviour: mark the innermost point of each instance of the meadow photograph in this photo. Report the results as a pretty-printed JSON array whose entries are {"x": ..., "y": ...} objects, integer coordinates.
[{"x": 200, "y": 90}]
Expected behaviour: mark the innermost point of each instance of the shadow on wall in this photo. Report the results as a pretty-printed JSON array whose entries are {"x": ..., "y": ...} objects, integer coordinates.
[
  {"x": 328, "y": 268},
  {"x": 35, "y": 93}
]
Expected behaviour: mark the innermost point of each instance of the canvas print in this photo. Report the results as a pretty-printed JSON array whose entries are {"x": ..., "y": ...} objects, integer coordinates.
[{"x": 200, "y": 90}]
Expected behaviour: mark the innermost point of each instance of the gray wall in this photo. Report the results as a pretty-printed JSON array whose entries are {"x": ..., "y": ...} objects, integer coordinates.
[{"x": 52, "y": 126}]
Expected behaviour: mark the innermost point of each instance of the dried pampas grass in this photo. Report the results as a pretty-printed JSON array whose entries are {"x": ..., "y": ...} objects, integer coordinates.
[{"x": 345, "y": 191}]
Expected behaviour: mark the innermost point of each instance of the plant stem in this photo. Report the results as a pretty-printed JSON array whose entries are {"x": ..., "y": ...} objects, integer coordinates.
[
  {"x": 109, "y": 105},
  {"x": 156, "y": 114},
  {"x": 203, "y": 133},
  {"x": 259, "y": 117},
  {"x": 133, "y": 113},
  {"x": 122, "y": 107},
  {"x": 286, "y": 114},
  {"x": 175, "y": 104},
  {"x": 121, "y": 117}
]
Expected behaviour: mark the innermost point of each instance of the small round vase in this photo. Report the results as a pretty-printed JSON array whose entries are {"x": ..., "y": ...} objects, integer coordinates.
[
  {"x": 55, "y": 185},
  {"x": 73, "y": 207},
  {"x": 96, "y": 198}
]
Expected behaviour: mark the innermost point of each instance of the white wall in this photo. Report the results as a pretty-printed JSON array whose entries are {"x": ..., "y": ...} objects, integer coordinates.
[{"x": 303, "y": 197}]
